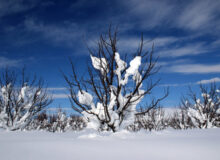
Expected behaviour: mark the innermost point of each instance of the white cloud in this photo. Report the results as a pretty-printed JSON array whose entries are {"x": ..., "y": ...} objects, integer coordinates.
[
  {"x": 131, "y": 44},
  {"x": 216, "y": 44},
  {"x": 167, "y": 46},
  {"x": 149, "y": 13},
  {"x": 194, "y": 68},
  {"x": 173, "y": 85},
  {"x": 206, "y": 81},
  {"x": 55, "y": 92},
  {"x": 164, "y": 41},
  {"x": 192, "y": 49},
  {"x": 8, "y": 7},
  {"x": 56, "y": 89},
  {"x": 65, "y": 109},
  {"x": 60, "y": 95},
  {"x": 166, "y": 64},
  {"x": 67, "y": 33},
  {"x": 6, "y": 62},
  {"x": 200, "y": 14},
  {"x": 194, "y": 15},
  {"x": 128, "y": 44}
]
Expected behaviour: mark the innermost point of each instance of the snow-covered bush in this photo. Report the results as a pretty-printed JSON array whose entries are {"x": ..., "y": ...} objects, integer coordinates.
[
  {"x": 40, "y": 122},
  {"x": 59, "y": 122},
  {"x": 56, "y": 122},
  {"x": 204, "y": 110},
  {"x": 109, "y": 96},
  {"x": 154, "y": 119},
  {"x": 180, "y": 120},
  {"x": 76, "y": 123},
  {"x": 20, "y": 100}
]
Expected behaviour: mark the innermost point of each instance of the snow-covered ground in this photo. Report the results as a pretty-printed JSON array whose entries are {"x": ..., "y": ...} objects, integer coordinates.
[{"x": 168, "y": 144}]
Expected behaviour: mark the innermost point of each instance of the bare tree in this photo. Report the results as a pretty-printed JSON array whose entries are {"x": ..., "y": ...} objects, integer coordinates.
[
  {"x": 21, "y": 98},
  {"x": 204, "y": 110},
  {"x": 108, "y": 98}
]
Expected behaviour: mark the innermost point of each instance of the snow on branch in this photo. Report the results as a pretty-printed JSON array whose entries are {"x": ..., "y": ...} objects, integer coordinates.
[{"x": 99, "y": 64}]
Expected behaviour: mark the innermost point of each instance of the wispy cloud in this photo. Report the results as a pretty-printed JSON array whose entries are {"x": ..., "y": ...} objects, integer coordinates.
[
  {"x": 206, "y": 81},
  {"x": 56, "y": 89},
  {"x": 60, "y": 96},
  {"x": 55, "y": 109},
  {"x": 131, "y": 44},
  {"x": 175, "y": 84},
  {"x": 167, "y": 64},
  {"x": 201, "y": 14},
  {"x": 149, "y": 13},
  {"x": 142, "y": 16},
  {"x": 6, "y": 62},
  {"x": 15, "y": 6},
  {"x": 185, "y": 50},
  {"x": 67, "y": 33},
  {"x": 194, "y": 68},
  {"x": 216, "y": 44},
  {"x": 192, "y": 16},
  {"x": 170, "y": 46},
  {"x": 58, "y": 92}
]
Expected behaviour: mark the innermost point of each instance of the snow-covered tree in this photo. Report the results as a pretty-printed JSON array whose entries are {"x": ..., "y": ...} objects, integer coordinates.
[
  {"x": 59, "y": 122},
  {"x": 76, "y": 123},
  {"x": 154, "y": 119},
  {"x": 115, "y": 85},
  {"x": 204, "y": 110},
  {"x": 180, "y": 119},
  {"x": 20, "y": 99},
  {"x": 40, "y": 122}
]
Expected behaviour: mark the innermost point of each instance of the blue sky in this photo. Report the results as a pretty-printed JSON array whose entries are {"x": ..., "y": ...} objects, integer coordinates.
[{"x": 42, "y": 34}]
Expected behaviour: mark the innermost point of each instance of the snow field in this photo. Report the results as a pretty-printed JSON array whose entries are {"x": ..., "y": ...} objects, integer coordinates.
[{"x": 86, "y": 145}]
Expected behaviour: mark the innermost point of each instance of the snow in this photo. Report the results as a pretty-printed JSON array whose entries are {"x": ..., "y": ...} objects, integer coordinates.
[
  {"x": 164, "y": 145},
  {"x": 134, "y": 65},
  {"x": 85, "y": 98},
  {"x": 121, "y": 65},
  {"x": 99, "y": 64},
  {"x": 133, "y": 70}
]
